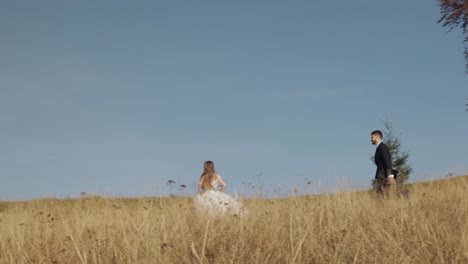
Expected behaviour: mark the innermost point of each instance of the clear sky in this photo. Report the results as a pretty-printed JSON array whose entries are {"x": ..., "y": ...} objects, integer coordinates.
[{"x": 118, "y": 97}]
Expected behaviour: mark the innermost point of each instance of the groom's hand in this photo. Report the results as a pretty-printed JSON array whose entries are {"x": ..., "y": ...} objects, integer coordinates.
[{"x": 391, "y": 180}]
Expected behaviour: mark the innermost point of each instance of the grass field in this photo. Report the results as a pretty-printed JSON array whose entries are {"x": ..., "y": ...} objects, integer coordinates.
[{"x": 429, "y": 226}]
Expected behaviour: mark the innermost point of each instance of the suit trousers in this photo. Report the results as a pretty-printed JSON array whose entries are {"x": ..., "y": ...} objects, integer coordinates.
[{"x": 380, "y": 185}]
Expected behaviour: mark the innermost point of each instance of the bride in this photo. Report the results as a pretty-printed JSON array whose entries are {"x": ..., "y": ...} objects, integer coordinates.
[{"x": 212, "y": 200}]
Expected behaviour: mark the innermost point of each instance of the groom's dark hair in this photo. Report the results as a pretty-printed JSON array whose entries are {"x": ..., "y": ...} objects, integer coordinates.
[{"x": 377, "y": 132}]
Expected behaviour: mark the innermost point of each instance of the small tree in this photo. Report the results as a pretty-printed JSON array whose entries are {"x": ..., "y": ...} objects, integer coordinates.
[{"x": 399, "y": 157}]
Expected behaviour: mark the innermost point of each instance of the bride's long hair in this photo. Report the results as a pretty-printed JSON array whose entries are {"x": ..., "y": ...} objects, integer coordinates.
[{"x": 208, "y": 176}]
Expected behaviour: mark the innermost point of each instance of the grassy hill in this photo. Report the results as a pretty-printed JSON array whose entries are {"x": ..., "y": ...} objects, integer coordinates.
[{"x": 428, "y": 226}]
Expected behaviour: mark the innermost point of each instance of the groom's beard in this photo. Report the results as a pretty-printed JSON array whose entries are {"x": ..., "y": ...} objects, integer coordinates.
[{"x": 373, "y": 142}]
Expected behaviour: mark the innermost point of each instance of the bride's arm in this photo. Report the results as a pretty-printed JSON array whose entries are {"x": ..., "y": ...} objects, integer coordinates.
[
  {"x": 199, "y": 189},
  {"x": 223, "y": 184}
]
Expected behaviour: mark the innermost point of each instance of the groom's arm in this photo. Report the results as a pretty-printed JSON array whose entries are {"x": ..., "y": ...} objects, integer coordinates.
[{"x": 387, "y": 161}]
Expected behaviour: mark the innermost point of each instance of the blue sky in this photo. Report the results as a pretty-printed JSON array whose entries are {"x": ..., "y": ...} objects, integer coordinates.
[{"x": 118, "y": 97}]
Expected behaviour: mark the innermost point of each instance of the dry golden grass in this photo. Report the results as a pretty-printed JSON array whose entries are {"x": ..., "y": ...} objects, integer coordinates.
[{"x": 429, "y": 226}]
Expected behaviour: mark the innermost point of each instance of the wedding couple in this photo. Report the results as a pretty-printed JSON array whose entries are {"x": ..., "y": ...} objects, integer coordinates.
[{"x": 210, "y": 197}]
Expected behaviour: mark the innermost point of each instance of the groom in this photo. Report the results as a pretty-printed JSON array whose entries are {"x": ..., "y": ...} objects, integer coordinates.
[{"x": 384, "y": 176}]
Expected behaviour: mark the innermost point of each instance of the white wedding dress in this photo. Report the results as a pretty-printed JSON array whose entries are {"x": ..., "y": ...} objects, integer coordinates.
[{"x": 214, "y": 202}]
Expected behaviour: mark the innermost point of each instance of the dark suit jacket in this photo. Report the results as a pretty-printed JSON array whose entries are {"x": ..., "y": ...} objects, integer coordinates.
[{"x": 383, "y": 161}]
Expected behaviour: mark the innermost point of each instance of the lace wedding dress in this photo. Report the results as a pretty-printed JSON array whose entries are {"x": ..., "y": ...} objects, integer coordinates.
[{"x": 214, "y": 202}]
